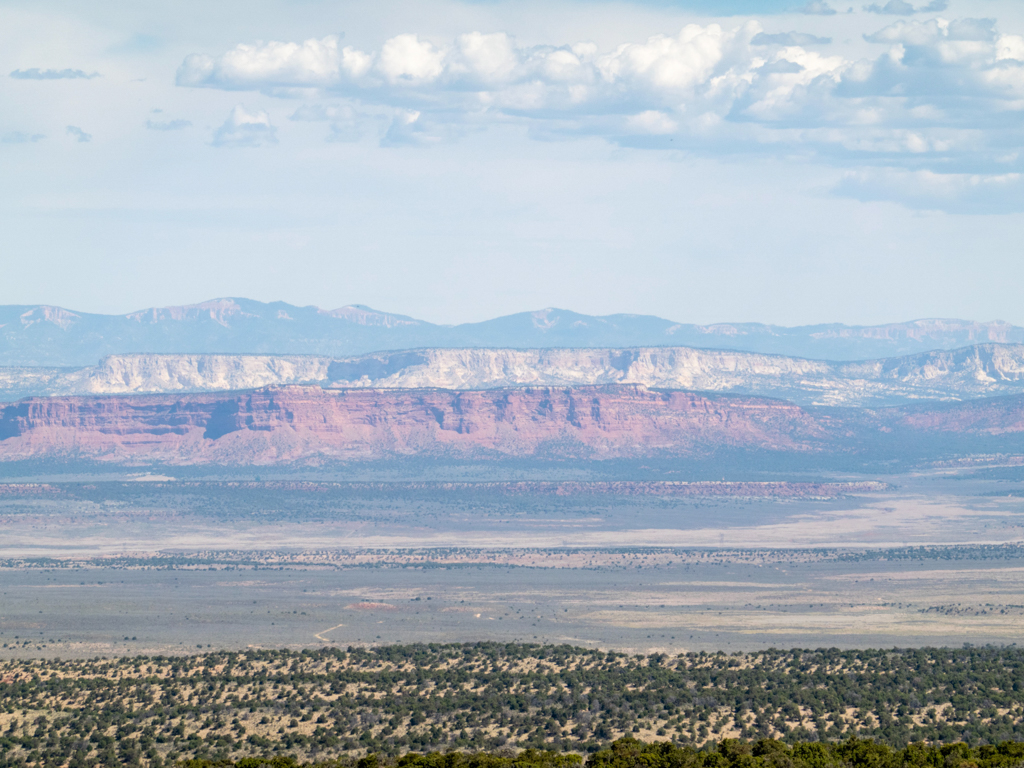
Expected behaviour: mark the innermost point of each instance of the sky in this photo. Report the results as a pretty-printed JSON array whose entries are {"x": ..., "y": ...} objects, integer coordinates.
[{"x": 455, "y": 160}]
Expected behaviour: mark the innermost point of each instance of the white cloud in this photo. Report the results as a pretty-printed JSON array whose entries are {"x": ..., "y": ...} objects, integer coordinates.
[
  {"x": 780, "y": 90},
  {"x": 487, "y": 59},
  {"x": 1010, "y": 47},
  {"x": 677, "y": 63},
  {"x": 52, "y": 74},
  {"x": 652, "y": 122},
  {"x": 952, "y": 65},
  {"x": 245, "y": 129},
  {"x": 943, "y": 95},
  {"x": 926, "y": 190},
  {"x": 407, "y": 59},
  {"x": 313, "y": 63}
]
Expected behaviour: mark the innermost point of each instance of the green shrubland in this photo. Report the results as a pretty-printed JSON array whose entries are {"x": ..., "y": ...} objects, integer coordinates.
[{"x": 491, "y": 701}]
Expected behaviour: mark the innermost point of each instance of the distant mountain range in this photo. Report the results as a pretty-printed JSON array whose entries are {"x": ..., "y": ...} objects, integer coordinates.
[{"x": 52, "y": 336}]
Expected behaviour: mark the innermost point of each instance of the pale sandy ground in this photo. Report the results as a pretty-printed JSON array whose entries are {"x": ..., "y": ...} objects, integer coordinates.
[
  {"x": 644, "y": 604},
  {"x": 578, "y": 586},
  {"x": 892, "y": 520}
]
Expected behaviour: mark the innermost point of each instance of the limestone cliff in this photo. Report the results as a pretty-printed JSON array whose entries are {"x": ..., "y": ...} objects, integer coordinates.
[
  {"x": 120, "y": 374},
  {"x": 976, "y": 371}
]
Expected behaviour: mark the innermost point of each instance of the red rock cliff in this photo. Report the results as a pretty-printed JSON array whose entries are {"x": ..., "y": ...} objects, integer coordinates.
[{"x": 308, "y": 423}]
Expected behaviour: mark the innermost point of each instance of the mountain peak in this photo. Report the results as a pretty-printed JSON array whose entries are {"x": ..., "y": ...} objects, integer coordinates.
[{"x": 363, "y": 315}]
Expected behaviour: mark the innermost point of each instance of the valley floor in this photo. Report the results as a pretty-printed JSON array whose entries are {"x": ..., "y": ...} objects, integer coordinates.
[{"x": 145, "y": 563}]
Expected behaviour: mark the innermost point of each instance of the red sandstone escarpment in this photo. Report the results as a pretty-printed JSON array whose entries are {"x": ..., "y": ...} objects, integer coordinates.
[
  {"x": 992, "y": 416},
  {"x": 309, "y": 423}
]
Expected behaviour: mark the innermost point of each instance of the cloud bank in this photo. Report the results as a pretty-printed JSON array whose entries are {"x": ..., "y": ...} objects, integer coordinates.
[
  {"x": 903, "y": 8},
  {"x": 942, "y": 96},
  {"x": 52, "y": 74}
]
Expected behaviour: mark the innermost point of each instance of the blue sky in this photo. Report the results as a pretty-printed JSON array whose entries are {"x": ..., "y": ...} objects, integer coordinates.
[{"x": 704, "y": 161}]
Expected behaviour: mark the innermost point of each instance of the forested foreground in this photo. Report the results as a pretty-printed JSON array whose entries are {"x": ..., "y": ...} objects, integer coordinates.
[
  {"x": 628, "y": 752},
  {"x": 330, "y": 704}
]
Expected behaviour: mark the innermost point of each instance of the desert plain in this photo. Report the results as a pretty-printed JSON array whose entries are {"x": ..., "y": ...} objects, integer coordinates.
[{"x": 129, "y": 562}]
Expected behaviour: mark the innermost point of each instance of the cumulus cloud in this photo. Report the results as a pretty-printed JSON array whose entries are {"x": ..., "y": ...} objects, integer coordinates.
[
  {"x": 903, "y": 8},
  {"x": 670, "y": 67},
  {"x": 245, "y": 129},
  {"x": 526, "y": 74},
  {"x": 1010, "y": 47},
  {"x": 407, "y": 59},
  {"x": 78, "y": 133},
  {"x": 951, "y": 66},
  {"x": 485, "y": 59},
  {"x": 313, "y": 63},
  {"x": 52, "y": 74},
  {"x": 168, "y": 125},
  {"x": 942, "y": 96}
]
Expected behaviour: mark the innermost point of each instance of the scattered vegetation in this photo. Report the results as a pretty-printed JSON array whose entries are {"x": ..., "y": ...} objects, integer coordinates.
[
  {"x": 330, "y": 704},
  {"x": 616, "y": 558},
  {"x": 632, "y": 753}
]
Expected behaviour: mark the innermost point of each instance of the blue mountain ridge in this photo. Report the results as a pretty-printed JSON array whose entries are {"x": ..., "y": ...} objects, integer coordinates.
[{"x": 52, "y": 336}]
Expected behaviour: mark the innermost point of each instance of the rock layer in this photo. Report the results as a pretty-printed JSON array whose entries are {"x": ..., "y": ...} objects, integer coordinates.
[
  {"x": 310, "y": 424},
  {"x": 977, "y": 371}
]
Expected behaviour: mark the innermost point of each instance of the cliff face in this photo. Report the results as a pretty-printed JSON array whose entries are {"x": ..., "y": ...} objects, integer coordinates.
[
  {"x": 943, "y": 375},
  {"x": 972, "y": 372},
  {"x": 296, "y": 424},
  {"x": 121, "y": 374},
  {"x": 308, "y": 423},
  {"x": 662, "y": 367}
]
